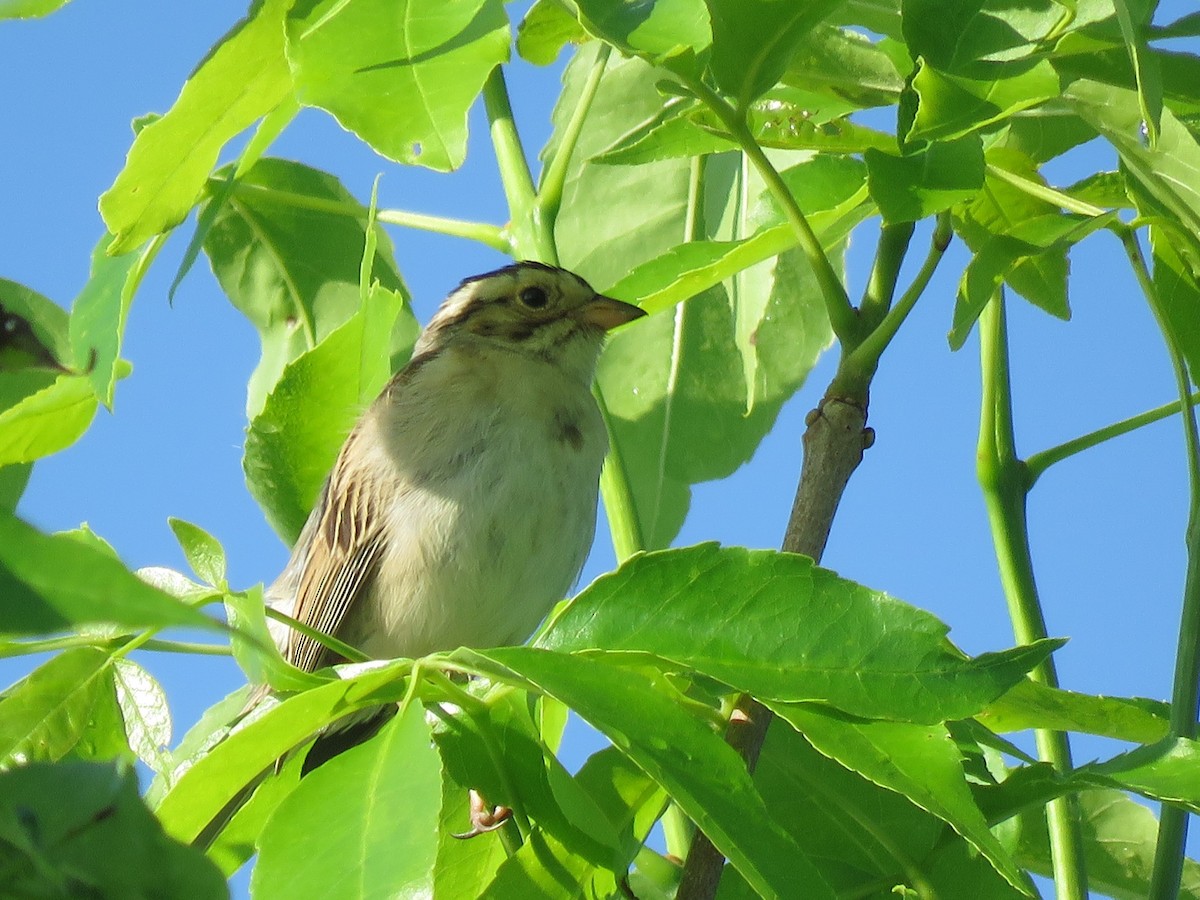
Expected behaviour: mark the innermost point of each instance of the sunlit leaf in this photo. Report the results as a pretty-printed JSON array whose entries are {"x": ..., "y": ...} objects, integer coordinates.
[
  {"x": 400, "y": 75},
  {"x": 243, "y": 78},
  {"x": 718, "y": 609},
  {"x": 291, "y": 444},
  {"x": 387, "y": 793}
]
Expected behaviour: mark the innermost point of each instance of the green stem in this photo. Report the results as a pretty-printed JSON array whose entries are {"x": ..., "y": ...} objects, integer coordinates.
[
  {"x": 1005, "y": 492},
  {"x": 68, "y": 642},
  {"x": 864, "y": 359},
  {"x": 1185, "y": 690},
  {"x": 549, "y": 198},
  {"x": 329, "y": 642},
  {"x": 842, "y": 316},
  {"x": 528, "y": 239},
  {"x": 889, "y": 257},
  {"x": 1039, "y": 462},
  {"x": 619, "y": 505},
  {"x": 1044, "y": 192},
  {"x": 481, "y": 232}
]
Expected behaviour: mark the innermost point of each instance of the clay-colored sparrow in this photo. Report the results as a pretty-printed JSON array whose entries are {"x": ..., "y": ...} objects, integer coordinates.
[{"x": 463, "y": 503}]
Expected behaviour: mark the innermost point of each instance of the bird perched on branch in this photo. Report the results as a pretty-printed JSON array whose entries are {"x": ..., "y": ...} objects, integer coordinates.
[{"x": 462, "y": 505}]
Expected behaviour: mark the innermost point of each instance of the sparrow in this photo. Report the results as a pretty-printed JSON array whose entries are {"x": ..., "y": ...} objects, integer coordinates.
[{"x": 462, "y": 505}]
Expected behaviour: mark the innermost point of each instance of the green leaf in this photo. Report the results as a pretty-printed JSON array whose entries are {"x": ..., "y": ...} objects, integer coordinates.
[
  {"x": 46, "y": 714},
  {"x": 53, "y": 582},
  {"x": 463, "y": 868},
  {"x": 1168, "y": 771},
  {"x": 400, "y": 75},
  {"x": 204, "y": 552},
  {"x": 669, "y": 133},
  {"x": 255, "y": 650},
  {"x": 754, "y": 40},
  {"x": 545, "y": 30},
  {"x": 48, "y": 419},
  {"x": 211, "y": 728},
  {"x": 29, "y": 9},
  {"x": 699, "y": 770},
  {"x": 287, "y": 247},
  {"x": 98, "y": 318},
  {"x": 683, "y": 382},
  {"x": 40, "y": 340},
  {"x": 950, "y": 106},
  {"x": 784, "y": 121},
  {"x": 913, "y": 187},
  {"x": 919, "y": 761},
  {"x": 80, "y": 830},
  {"x": 145, "y": 712},
  {"x": 1149, "y": 80},
  {"x": 292, "y": 443},
  {"x": 1178, "y": 295},
  {"x": 1119, "y": 835},
  {"x": 387, "y": 793},
  {"x": 1168, "y": 173},
  {"x": 670, "y": 32},
  {"x": 13, "y": 480},
  {"x": 860, "y": 835},
  {"x": 718, "y": 609},
  {"x": 242, "y": 79},
  {"x": 201, "y": 791},
  {"x": 1042, "y": 241},
  {"x": 1033, "y": 705},
  {"x": 845, "y": 65},
  {"x": 992, "y": 38}
]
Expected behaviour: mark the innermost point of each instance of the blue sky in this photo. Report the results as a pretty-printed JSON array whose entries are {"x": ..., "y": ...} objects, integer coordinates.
[{"x": 1107, "y": 526}]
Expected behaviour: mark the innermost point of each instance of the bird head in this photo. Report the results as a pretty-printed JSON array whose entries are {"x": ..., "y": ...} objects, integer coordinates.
[{"x": 531, "y": 309}]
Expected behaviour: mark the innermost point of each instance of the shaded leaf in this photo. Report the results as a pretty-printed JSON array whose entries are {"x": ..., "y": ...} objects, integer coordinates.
[
  {"x": 287, "y": 248},
  {"x": 669, "y": 32},
  {"x": 80, "y": 830},
  {"x": 754, "y": 40},
  {"x": 919, "y": 761},
  {"x": 52, "y": 582},
  {"x": 1118, "y": 840},
  {"x": 1042, "y": 240},
  {"x": 921, "y": 184},
  {"x": 950, "y": 106},
  {"x": 699, "y": 770},
  {"x": 1178, "y": 295}
]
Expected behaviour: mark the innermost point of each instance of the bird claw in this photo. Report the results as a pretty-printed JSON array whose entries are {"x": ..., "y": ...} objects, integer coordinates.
[{"x": 483, "y": 817}]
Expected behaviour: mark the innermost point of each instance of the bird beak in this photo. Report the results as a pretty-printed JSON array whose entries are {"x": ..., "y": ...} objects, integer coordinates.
[{"x": 607, "y": 313}]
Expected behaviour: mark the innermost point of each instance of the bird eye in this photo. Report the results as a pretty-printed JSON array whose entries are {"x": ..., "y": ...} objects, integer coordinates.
[{"x": 534, "y": 297}]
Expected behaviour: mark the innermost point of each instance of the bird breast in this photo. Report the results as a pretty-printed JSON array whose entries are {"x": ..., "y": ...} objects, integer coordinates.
[{"x": 495, "y": 463}]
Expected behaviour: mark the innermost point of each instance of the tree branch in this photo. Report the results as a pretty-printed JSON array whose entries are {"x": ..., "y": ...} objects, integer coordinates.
[{"x": 833, "y": 447}]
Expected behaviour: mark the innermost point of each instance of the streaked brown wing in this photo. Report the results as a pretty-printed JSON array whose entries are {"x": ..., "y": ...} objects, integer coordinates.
[{"x": 341, "y": 563}]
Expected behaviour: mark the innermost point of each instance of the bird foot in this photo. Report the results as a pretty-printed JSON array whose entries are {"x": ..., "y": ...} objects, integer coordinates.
[{"x": 484, "y": 818}]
